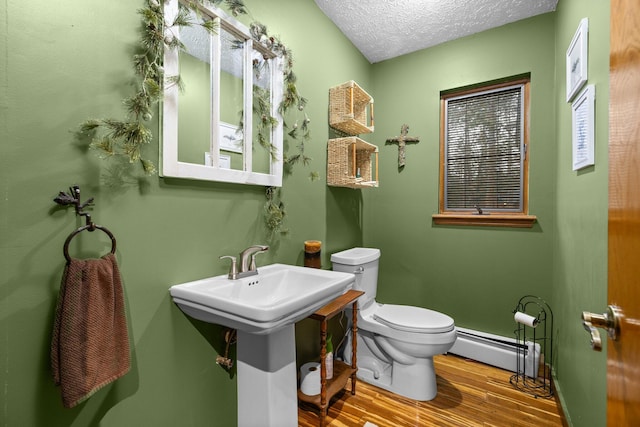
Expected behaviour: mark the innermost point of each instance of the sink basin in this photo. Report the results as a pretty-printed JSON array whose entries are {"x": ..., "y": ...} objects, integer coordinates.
[
  {"x": 264, "y": 309},
  {"x": 278, "y": 295}
]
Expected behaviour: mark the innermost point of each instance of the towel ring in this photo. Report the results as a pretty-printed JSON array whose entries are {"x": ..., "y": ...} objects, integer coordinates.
[{"x": 89, "y": 227}]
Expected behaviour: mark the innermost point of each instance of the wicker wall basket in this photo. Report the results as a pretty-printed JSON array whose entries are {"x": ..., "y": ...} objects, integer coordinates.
[
  {"x": 350, "y": 109},
  {"x": 352, "y": 162}
]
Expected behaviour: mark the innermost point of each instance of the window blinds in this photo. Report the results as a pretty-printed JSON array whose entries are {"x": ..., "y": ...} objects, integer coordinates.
[{"x": 484, "y": 150}]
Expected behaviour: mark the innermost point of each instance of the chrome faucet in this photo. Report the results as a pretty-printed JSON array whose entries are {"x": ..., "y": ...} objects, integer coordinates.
[
  {"x": 233, "y": 271},
  {"x": 250, "y": 267},
  {"x": 247, "y": 262}
]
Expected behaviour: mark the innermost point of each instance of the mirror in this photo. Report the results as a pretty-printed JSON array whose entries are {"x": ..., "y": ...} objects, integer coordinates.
[{"x": 219, "y": 128}]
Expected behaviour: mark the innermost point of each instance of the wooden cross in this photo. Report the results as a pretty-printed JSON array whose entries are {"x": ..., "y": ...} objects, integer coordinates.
[{"x": 402, "y": 140}]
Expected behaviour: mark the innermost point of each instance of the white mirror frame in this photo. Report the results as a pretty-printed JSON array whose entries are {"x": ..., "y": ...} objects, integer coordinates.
[{"x": 170, "y": 166}]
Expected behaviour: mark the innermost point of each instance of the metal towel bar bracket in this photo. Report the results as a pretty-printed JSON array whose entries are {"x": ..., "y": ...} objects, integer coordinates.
[{"x": 73, "y": 198}]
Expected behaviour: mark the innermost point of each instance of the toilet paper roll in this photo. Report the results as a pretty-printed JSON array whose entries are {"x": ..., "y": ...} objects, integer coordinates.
[
  {"x": 525, "y": 319},
  {"x": 310, "y": 378}
]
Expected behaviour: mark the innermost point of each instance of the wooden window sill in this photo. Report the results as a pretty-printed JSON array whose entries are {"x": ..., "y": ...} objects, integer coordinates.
[{"x": 485, "y": 220}]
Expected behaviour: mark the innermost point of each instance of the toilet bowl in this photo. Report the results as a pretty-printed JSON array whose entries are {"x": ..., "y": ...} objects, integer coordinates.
[{"x": 396, "y": 343}]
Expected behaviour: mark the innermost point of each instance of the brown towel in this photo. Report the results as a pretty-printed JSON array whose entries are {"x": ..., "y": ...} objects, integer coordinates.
[{"x": 90, "y": 345}]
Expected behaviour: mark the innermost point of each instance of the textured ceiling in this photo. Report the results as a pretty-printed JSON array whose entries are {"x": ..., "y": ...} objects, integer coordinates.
[{"x": 384, "y": 29}]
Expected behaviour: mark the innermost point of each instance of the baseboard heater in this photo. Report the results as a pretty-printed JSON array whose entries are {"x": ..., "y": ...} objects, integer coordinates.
[{"x": 497, "y": 351}]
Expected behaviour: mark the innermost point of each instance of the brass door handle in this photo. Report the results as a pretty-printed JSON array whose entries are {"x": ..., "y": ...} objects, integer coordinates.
[{"x": 609, "y": 321}]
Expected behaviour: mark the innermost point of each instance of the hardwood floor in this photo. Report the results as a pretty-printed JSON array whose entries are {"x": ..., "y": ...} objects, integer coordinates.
[{"x": 469, "y": 394}]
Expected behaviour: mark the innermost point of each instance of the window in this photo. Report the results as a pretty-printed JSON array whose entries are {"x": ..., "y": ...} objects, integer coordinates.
[{"x": 484, "y": 155}]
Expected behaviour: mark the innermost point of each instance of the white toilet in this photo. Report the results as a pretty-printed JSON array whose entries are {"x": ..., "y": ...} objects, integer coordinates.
[{"x": 396, "y": 343}]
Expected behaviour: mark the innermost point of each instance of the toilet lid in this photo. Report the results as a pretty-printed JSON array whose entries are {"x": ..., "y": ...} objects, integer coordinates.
[{"x": 413, "y": 319}]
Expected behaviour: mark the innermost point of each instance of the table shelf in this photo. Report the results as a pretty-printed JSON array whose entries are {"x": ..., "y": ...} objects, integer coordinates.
[{"x": 341, "y": 371}]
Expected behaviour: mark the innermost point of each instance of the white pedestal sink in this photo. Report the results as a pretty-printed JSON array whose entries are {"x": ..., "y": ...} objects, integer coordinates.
[{"x": 264, "y": 309}]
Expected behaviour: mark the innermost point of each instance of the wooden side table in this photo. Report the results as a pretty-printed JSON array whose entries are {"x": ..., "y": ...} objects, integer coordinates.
[{"x": 341, "y": 371}]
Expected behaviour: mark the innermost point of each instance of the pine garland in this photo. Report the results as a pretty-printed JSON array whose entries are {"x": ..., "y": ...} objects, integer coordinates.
[
  {"x": 126, "y": 138},
  {"x": 274, "y": 212}
]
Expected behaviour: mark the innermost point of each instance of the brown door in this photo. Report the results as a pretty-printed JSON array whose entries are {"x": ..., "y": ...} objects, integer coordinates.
[{"x": 623, "y": 359}]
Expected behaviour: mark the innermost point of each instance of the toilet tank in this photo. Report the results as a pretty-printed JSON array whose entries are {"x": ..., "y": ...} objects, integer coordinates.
[{"x": 364, "y": 263}]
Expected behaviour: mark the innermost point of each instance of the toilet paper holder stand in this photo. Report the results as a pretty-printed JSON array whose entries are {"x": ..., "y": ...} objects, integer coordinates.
[{"x": 534, "y": 346}]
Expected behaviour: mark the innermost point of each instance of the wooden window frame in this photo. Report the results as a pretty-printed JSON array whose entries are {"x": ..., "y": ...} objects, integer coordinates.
[{"x": 507, "y": 219}]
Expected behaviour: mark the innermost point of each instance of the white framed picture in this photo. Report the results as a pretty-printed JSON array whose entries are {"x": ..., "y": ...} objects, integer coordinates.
[
  {"x": 224, "y": 160},
  {"x": 231, "y": 138},
  {"x": 583, "y": 117},
  {"x": 577, "y": 59}
]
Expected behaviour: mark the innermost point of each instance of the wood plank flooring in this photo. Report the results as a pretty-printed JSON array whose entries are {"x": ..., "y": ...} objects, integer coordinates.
[{"x": 470, "y": 394}]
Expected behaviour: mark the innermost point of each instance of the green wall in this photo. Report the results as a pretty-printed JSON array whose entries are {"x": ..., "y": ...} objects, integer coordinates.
[
  {"x": 63, "y": 63},
  {"x": 580, "y": 236},
  {"x": 475, "y": 274}
]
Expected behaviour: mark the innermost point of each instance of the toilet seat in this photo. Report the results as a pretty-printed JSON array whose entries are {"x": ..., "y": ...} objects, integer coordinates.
[{"x": 413, "y": 319}]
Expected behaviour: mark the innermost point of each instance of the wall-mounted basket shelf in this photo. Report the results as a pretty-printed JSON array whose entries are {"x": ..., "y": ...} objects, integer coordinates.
[
  {"x": 352, "y": 162},
  {"x": 350, "y": 109}
]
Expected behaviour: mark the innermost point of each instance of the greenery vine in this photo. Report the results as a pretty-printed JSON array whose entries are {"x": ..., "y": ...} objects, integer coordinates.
[{"x": 126, "y": 138}]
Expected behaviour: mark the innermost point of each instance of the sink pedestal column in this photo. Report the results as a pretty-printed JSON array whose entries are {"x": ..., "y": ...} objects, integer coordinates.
[{"x": 267, "y": 379}]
